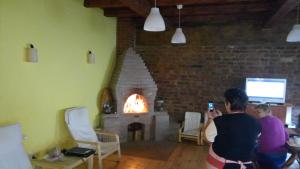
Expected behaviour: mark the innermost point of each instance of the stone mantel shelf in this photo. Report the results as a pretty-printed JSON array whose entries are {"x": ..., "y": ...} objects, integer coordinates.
[{"x": 118, "y": 115}]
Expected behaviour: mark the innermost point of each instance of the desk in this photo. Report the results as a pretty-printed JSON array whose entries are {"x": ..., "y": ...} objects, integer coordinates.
[
  {"x": 294, "y": 149},
  {"x": 68, "y": 162}
]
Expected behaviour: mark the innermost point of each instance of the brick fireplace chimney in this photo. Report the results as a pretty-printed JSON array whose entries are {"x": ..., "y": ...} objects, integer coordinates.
[{"x": 132, "y": 76}]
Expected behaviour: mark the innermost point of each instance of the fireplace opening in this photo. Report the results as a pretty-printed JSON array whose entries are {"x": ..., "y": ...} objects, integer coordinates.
[
  {"x": 136, "y": 132},
  {"x": 136, "y": 103}
]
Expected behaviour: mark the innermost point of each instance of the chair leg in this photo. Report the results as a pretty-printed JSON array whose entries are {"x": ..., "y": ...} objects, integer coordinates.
[
  {"x": 201, "y": 138},
  {"x": 99, "y": 157},
  {"x": 198, "y": 141},
  {"x": 179, "y": 139},
  {"x": 100, "y": 161},
  {"x": 90, "y": 162},
  {"x": 119, "y": 147},
  {"x": 119, "y": 152}
]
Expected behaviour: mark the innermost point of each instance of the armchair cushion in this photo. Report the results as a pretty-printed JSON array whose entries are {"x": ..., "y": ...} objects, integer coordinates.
[
  {"x": 79, "y": 126},
  {"x": 12, "y": 153},
  {"x": 191, "y": 121}
]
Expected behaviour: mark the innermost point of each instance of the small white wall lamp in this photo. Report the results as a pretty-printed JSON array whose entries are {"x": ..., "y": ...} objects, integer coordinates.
[
  {"x": 32, "y": 55},
  {"x": 91, "y": 58}
]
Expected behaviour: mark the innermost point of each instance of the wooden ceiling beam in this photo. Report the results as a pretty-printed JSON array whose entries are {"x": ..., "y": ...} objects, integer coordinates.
[
  {"x": 103, "y": 3},
  {"x": 141, "y": 7},
  {"x": 282, "y": 10},
  {"x": 119, "y": 12},
  {"x": 197, "y": 10},
  {"x": 200, "y": 2},
  {"x": 217, "y": 9},
  {"x": 192, "y": 20},
  {"x": 119, "y": 4},
  {"x": 197, "y": 20}
]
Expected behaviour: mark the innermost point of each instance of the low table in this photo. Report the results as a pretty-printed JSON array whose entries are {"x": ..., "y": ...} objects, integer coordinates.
[{"x": 67, "y": 162}]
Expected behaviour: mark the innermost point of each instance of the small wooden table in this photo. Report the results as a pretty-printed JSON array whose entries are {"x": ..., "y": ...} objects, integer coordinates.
[
  {"x": 294, "y": 149},
  {"x": 67, "y": 162}
]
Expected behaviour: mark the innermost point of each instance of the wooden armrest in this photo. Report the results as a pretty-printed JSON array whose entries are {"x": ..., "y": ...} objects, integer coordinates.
[
  {"x": 107, "y": 133},
  {"x": 87, "y": 142},
  {"x": 98, "y": 129}
]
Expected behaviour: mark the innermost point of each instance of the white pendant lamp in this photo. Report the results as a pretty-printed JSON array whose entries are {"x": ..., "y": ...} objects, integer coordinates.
[
  {"x": 178, "y": 37},
  {"x": 154, "y": 22},
  {"x": 294, "y": 35}
]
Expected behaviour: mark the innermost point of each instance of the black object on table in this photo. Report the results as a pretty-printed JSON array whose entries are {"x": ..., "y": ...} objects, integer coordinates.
[{"x": 79, "y": 152}]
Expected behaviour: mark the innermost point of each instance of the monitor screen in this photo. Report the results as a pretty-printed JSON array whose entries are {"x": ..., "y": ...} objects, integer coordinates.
[{"x": 266, "y": 90}]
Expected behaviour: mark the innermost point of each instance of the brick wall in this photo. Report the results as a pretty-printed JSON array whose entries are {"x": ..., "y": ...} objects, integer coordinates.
[
  {"x": 218, "y": 57},
  {"x": 126, "y": 31}
]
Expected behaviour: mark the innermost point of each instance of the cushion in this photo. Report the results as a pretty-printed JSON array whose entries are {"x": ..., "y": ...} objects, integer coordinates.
[
  {"x": 77, "y": 120},
  {"x": 192, "y": 121},
  {"x": 12, "y": 153}
]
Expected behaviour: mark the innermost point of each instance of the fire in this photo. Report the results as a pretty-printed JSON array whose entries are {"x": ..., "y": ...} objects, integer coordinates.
[{"x": 135, "y": 104}]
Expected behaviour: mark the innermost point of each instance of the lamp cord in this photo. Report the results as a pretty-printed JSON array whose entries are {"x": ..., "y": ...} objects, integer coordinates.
[
  {"x": 155, "y": 3},
  {"x": 298, "y": 12},
  {"x": 179, "y": 19}
]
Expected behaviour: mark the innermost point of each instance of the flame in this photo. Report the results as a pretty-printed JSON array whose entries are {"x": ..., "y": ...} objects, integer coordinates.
[{"x": 135, "y": 104}]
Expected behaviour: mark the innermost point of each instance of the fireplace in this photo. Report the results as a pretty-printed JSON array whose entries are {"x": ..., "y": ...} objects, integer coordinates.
[
  {"x": 134, "y": 92},
  {"x": 136, "y": 103}
]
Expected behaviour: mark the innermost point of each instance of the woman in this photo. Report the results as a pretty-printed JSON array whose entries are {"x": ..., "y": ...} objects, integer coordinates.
[
  {"x": 271, "y": 151},
  {"x": 233, "y": 135}
]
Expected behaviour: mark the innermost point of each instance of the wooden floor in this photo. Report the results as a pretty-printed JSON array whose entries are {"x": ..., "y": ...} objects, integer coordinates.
[{"x": 185, "y": 156}]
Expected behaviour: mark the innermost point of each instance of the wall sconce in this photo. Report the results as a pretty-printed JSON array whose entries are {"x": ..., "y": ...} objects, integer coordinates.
[
  {"x": 32, "y": 55},
  {"x": 91, "y": 58}
]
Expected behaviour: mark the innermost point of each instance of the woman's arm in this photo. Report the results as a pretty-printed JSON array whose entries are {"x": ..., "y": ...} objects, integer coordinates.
[{"x": 210, "y": 130}]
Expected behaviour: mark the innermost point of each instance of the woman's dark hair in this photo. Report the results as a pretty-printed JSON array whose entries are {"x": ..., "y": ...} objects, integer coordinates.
[{"x": 237, "y": 98}]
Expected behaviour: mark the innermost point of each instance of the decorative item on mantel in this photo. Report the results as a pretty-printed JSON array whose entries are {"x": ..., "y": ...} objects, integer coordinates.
[{"x": 106, "y": 102}]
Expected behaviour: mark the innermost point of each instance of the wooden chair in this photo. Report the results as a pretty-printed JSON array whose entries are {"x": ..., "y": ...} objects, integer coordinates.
[
  {"x": 191, "y": 128},
  {"x": 105, "y": 144},
  {"x": 12, "y": 153}
]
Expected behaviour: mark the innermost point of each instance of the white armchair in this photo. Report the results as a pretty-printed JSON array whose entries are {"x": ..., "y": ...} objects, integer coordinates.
[
  {"x": 191, "y": 128},
  {"x": 105, "y": 144},
  {"x": 12, "y": 153}
]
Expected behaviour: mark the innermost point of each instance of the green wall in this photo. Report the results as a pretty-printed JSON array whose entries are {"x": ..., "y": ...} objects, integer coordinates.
[{"x": 36, "y": 94}]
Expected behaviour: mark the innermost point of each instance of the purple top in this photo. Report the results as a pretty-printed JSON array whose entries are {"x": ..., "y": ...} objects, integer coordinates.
[{"x": 273, "y": 135}]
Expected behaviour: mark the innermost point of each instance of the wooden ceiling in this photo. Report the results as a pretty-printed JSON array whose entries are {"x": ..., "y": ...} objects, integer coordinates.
[{"x": 195, "y": 11}]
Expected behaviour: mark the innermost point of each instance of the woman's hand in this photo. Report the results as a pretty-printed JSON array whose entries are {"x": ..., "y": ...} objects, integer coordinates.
[{"x": 213, "y": 114}]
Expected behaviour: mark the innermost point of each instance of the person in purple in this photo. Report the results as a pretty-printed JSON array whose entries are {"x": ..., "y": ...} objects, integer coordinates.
[{"x": 271, "y": 152}]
